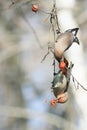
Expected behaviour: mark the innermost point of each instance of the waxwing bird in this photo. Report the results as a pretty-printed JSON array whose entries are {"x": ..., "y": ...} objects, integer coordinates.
[
  {"x": 59, "y": 88},
  {"x": 60, "y": 84},
  {"x": 64, "y": 41}
]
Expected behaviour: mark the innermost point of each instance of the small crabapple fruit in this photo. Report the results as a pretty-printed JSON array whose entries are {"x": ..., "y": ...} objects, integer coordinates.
[
  {"x": 35, "y": 8},
  {"x": 62, "y": 65}
]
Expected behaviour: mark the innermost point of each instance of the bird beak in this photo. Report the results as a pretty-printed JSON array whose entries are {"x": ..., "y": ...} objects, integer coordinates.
[{"x": 76, "y": 40}]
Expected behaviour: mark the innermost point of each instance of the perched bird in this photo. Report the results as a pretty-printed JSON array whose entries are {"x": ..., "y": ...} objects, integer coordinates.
[{"x": 64, "y": 41}]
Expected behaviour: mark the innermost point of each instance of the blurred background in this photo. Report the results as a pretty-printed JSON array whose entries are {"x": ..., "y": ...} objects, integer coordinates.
[{"x": 25, "y": 82}]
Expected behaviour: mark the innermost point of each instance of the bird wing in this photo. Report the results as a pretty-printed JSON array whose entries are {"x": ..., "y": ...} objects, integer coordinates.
[{"x": 64, "y": 41}]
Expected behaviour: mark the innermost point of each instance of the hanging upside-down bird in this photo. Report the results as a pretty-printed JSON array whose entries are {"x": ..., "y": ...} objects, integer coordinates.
[
  {"x": 60, "y": 84},
  {"x": 64, "y": 41},
  {"x": 59, "y": 88}
]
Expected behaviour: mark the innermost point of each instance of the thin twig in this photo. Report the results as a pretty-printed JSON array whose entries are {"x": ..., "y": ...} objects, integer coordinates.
[
  {"x": 56, "y": 16},
  {"x": 75, "y": 80}
]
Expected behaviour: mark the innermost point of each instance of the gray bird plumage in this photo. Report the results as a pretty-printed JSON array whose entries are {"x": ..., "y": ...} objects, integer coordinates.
[
  {"x": 64, "y": 41},
  {"x": 59, "y": 83}
]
